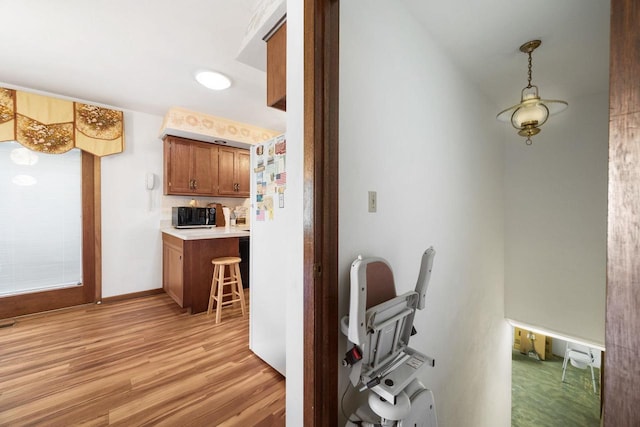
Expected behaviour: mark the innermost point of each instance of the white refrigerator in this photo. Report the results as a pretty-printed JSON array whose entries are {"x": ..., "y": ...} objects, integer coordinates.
[{"x": 267, "y": 331}]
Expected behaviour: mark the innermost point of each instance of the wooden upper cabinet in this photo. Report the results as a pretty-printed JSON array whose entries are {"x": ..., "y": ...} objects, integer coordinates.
[
  {"x": 233, "y": 172},
  {"x": 226, "y": 167},
  {"x": 177, "y": 167},
  {"x": 244, "y": 173},
  {"x": 194, "y": 168},
  {"x": 190, "y": 167},
  {"x": 205, "y": 168},
  {"x": 277, "y": 69}
]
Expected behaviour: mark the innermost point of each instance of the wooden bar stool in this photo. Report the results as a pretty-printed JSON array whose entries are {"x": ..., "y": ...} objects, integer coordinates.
[{"x": 219, "y": 281}]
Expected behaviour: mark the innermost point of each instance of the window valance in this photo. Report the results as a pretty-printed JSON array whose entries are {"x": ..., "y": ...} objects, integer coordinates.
[{"x": 51, "y": 125}]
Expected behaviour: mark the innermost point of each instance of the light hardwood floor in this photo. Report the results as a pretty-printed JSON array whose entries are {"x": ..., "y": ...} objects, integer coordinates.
[{"x": 137, "y": 362}]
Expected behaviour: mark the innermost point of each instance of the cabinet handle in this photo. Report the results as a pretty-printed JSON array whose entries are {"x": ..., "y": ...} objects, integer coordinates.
[{"x": 195, "y": 184}]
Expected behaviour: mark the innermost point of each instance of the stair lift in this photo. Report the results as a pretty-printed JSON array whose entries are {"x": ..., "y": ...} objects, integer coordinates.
[{"x": 381, "y": 362}]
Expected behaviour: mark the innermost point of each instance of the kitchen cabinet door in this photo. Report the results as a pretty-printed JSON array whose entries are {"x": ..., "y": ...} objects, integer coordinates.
[
  {"x": 177, "y": 166},
  {"x": 226, "y": 171},
  {"x": 243, "y": 173},
  {"x": 277, "y": 69},
  {"x": 233, "y": 172},
  {"x": 172, "y": 269},
  {"x": 205, "y": 169},
  {"x": 190, "y": 167}
]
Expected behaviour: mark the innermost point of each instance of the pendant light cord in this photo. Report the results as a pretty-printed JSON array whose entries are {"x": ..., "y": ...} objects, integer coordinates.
[{"x": 530, "y": 65}]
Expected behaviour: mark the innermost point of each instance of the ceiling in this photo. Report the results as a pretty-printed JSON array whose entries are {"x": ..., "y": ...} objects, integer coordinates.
[
  {"x": 483, "y": 38},
  {"x": 141, "y": 55}
]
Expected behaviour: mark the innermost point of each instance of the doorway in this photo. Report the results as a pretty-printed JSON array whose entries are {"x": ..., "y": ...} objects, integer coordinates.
[{"x": 545, "y": 390}]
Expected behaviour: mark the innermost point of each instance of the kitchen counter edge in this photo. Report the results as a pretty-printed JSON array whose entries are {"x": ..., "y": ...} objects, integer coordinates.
[{"x": 206, "y": 233}]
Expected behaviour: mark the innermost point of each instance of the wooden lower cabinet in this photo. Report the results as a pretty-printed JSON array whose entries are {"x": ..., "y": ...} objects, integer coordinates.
[
  {"x": 187, "y": 268},
  {"x": 172, "y": 276}
]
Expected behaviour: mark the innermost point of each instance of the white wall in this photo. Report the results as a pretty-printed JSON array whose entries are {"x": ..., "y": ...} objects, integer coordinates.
[
  {"x": 417, "y": 132},
  {"x": 556, "y": 222},
  {"x": 292, "y": 232},
  {"x": 131, "y": 239}
]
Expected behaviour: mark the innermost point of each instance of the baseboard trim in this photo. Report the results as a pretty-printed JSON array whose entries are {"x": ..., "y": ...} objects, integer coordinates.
[{"x": 132, "y": 295}]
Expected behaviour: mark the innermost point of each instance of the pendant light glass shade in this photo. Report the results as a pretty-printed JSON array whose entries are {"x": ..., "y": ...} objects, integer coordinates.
[{"x": 532, "y": 112}]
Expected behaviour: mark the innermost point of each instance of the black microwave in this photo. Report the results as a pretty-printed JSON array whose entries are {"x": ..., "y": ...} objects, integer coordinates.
[{"x": 190, "y": 217}]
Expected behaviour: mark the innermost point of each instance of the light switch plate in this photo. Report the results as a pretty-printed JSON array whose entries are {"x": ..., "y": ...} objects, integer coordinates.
[{"x": 373, "y": 201}]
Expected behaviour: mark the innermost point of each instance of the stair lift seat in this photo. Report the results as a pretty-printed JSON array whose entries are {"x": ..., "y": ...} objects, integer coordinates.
[{"x": 380, "y": 324}]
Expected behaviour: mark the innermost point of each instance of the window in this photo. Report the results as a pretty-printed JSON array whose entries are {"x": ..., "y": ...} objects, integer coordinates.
[{"x": 40, "y": 220}]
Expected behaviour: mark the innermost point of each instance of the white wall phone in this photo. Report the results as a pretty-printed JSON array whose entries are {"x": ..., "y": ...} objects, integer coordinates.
[
  {"x": 150, "y": 180},
  {"x": 150, "y": 183}
]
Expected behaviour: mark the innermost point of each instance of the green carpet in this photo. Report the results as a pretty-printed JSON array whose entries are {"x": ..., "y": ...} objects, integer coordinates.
[{"x": 540, "y": 399}]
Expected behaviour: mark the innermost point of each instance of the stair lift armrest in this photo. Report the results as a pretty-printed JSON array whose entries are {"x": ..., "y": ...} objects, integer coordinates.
[{"x": 424, "y": 276}]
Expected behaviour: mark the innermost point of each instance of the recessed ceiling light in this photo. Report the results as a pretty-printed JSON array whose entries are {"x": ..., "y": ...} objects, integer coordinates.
[{"x": 213, "y": 80}]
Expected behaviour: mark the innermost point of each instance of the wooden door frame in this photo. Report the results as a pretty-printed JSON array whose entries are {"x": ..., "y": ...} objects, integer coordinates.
[
  {"x": 621, "y": 390},
  {"x": 321, "y": 30},
  {"x": 91, "y": 289}
]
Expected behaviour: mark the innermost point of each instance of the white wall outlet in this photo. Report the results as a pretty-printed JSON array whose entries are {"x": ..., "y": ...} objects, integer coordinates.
[{"x": 373, "y": 201}]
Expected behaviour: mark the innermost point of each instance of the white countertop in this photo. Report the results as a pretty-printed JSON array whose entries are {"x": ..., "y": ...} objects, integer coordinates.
[{"x": 206, "y": 233}]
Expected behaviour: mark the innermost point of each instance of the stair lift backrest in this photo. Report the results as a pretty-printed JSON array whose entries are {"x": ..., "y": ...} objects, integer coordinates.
[
  {"x": 389, "y": 327},
  {"x": 384, "y": 330},
  {"x": 359, "y": 290},
  {"x": 372, "y": 283},
  {"x": 379, "y": 286}
]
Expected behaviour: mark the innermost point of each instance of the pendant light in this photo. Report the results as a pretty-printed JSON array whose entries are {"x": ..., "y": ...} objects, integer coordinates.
[{"x": 532, "y": 112}]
